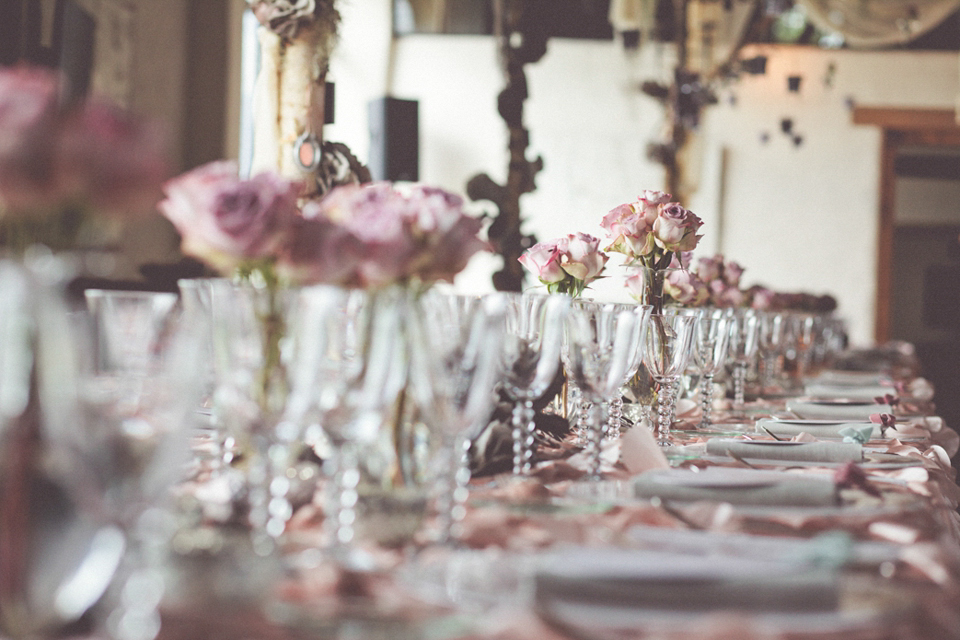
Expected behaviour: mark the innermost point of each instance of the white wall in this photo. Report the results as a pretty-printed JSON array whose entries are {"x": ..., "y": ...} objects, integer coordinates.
[
  {"x": 798, "y": 218},
  {"x": 807, "y": 217}
]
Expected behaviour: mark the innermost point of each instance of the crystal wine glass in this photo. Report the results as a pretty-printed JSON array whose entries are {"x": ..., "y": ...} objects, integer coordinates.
[
  {"x": 137, "y": 387},
  {"x": 531, "y": 358},
  {"x": 600, "y": 346},
  {"x": 710, "y": 340},
  {"x": 615, "y": 403},
  {"x": 363, "y": 360},
  {"x": 666, "y": 352},
  {"x": 455, "y": 365},
  {"x": 773, "y": 325},
  {"x": 744, "y": 338},
  {"x": 805, "y": 327}
]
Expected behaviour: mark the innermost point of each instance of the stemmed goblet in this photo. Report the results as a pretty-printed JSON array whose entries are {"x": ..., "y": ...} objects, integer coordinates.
[
  {"x": 805, "y": 328},
  {"x": 531, "y": 357},
  {"x": 352, "y": 366},
  {"x": 454, "y": 369},
  {"x": 600, "y": 346},
  {"x": 744, "y": 338},
  {"x": 773, "y": 325},
  {"x": 667, "y": 350},
  {"x": 136, "y": 385},
  {"x": 710, "y": 341}
]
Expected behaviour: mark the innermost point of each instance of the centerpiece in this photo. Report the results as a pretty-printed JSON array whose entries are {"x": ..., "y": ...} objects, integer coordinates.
[
  {"x": 652, "y": 233},
  {"x": 391, "y": 243}
]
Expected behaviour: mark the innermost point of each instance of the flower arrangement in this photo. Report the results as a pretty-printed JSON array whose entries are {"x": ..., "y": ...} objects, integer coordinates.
[
  {"x": 652, "y": 229},
  {"x": 652, "y": 232},
  {"x": 567, "y": 264},
  {"x": 366, "y": 236},
  {"x": 66, "y": 166}
]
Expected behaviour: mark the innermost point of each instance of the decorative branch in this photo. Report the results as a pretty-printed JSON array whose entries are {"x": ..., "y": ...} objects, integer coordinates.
[{"x": 523, "y": 39}]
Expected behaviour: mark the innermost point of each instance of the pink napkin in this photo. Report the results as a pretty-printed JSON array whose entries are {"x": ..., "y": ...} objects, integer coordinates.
[{"x": 639, "y": 451}]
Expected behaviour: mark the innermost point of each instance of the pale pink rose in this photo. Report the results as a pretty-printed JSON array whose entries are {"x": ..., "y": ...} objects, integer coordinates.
[
  {"x": 762, "y": 298},
  {"x": 583, "y": 259},
  {"x": 732, "y": 272},
  {"x": 723, "y": 295},
  {"x": 421, "y": 233},
  {"x": 675, "y": 228},
  {"x": 632, "y": 234},
  {"x": 29, "y": 131},
  {"x": 319, "y": 251},
  {"x": 710, "y": 269},
  {"x": 543, "y": 261},
  {"x": 686, "y": 288},
  {"x": 113, "y": 160},
  {"x": 681, "y": 260},
  {"x": 649, "y": 204},
  {"x": 226, "y": 221}
]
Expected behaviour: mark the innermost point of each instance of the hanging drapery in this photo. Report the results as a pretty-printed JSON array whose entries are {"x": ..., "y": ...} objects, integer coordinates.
[{"x": 879, "y": 23}]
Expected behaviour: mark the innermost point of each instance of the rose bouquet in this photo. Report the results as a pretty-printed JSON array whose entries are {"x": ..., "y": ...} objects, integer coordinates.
[
  {"x": 650, "y": 232},
  {"x": 368, "y": 236},
  {"x": 67, "y": 169},
  {"x": 722, "y": 279},
  {"x": 568, "y": 264}
]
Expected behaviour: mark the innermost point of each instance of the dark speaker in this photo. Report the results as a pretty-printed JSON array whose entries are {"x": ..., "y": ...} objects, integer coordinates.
[
  {"x": 394, "y": 139},
  {"x": 76, "y": 50}
]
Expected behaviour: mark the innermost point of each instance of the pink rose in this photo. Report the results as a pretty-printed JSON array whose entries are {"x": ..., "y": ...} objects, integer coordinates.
[
  {"x": 709, "y": 269},
  {"x": 320, "y": 251},
  {"x": 29, "y": 131},
  {"x": 543, "y": 261},
  {"x": 686, "y": 288},
  {"x": 583, "y": 259},
  {"x": 681, "y": 260},
  {"x": 724, "y": 295},
  {"x": 650, "y": 202},
  {"x": 90, "y": 153},
  {"x": 732, "y": 272},
  {"x": 112, "y": 160},
  {"x": 451, "y": 237},
  {"x": 421, "y": 233},
  {"x": 762, "y": 298},
  {"x": 567, "y": 264},
  {"x": 675, "y": 228},
  {"x": 226, "y": 221},
  {"x": 632, "y": 234}
]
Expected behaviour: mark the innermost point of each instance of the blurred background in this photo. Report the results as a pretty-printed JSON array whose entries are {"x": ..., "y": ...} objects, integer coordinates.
[{"x": 817, "y": 139}]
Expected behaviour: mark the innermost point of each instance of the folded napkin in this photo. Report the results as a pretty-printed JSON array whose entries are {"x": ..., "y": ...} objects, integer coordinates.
[
  {"x": 816, "y": 428},
  {"x": 792, "y": 451},
  {"x": 640, "y": 579},
  {"x": 850, "y": 392},
  {"x": 852, "y": 378},
  {"x": 853, "y": 410},
  {"x": 737, "y": 486}
]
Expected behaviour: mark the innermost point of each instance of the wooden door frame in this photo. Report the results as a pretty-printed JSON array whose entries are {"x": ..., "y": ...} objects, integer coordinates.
[{"x": 899, "y": 128}]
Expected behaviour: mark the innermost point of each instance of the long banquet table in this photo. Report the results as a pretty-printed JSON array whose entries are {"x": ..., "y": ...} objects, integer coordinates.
[{"x": 557, "y": 555}]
